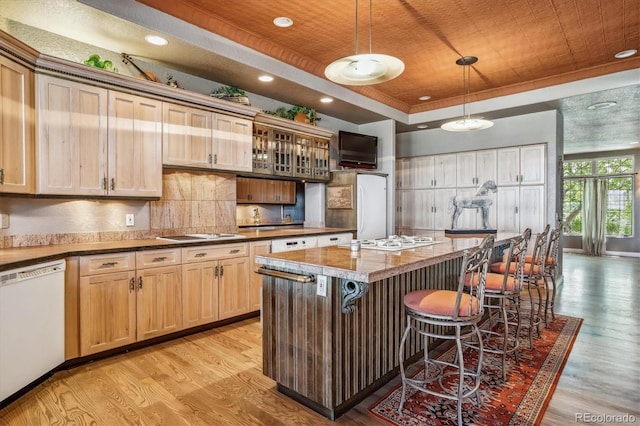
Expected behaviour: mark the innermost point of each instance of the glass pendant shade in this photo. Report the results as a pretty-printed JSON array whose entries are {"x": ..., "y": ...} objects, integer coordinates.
[
  {"x": 466, "y": 123},
  {"x": 366, "y": 68}
]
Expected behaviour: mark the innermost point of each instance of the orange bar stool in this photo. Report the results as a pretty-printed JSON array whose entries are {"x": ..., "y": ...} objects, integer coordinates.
[
  {"x": 502, "y": 296},
  {"x": 549, "y": 273},
  {"x": 532, "y": 275},
  {"x": 449, "y": 315}
]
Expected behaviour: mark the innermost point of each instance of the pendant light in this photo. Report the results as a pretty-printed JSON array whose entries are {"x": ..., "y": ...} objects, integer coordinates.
[
  {"x": 466, "y": 123},
  {"x": 364, "y": 69}
]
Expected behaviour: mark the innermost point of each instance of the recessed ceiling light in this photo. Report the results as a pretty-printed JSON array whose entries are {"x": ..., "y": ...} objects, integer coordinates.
[
  {"x": 626, "y": 53},
  {"x": 157, "y": 40},
  {"x": 326, "y": 100},
  {"x": 283, "y": 22},
  {"x": 422, "y": 126},
  {"x": 265, "y": 78},
  {"x": 602, "y": 105},
  {"x": 424, "y": 98}
]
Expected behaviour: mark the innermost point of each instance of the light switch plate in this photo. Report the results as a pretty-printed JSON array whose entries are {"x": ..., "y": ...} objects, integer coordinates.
[
  {"x": 130, "y": 219},
  {"x": 4, "y": 220},
  {"x": 322, "y": 285}
]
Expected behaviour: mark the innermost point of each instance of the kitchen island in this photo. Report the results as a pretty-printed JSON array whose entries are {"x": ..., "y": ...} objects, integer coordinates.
[{"x": 333, "y": 318}]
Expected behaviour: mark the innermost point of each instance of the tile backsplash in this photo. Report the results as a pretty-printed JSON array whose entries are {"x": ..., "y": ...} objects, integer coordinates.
[{"x": 192, "y": 202}]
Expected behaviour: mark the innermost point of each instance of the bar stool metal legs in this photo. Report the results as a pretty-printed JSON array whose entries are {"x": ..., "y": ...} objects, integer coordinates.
[{"x": 449, "y": 315}]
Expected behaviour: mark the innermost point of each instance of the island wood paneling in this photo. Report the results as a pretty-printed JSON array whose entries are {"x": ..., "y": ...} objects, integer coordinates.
[{"x": 330, "y": 360}]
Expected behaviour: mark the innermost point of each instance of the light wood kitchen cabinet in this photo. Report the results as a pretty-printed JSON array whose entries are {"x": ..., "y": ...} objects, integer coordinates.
[
  {"x": 262, "y": 150},
  {"x": 186, "y": 136},
  {"x": 265, "y": 191},
  {"x": 232, "y": 143},
  {"x": 109, "y": 142},
  {"x": 17, "y": 133},
  {"x": 475, "y": 168},
  {"x": 107, "y": 300},
  {"x": 520, "y": 207},
  {"x": 215, "y": 282},
  {"x": 158, "y": 293},
  {"x": 71, "y": 131},
  {"x": 134, "y": 146},
  {"x": 524, "y": 165},
  {"x": 257, "y": 248},
  {"x": 120, "y": 304}
]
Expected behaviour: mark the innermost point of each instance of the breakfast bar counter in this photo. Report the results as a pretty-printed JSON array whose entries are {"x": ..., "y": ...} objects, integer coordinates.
[{"x": 333, "y": 318}]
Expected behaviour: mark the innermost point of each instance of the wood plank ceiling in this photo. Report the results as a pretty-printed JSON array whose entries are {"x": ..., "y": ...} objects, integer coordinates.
[{"x": 521, "y": 44}]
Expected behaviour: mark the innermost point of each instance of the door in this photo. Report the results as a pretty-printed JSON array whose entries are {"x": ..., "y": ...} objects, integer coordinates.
[
  {"x": 17, "y": 136},
  {"x": 444, "y": 171},
  {"x": 442, "y": 215},
  {"x": 371, "y": 206},
  {"x": 134, "y": 146},
  {"x": 466, "y": 173},
  {"x": 159, "y": 301},
  {"x": 199, "y": 293},
  {"x": 107, "y": 311},
  {"x": 232, "y": 143},
  {"x": 255, "y": 291},
  {"x": 234, "y": 286},
  {"x": 507, "y": 209},
  {"x": 71, "y": 138},
  {"x": 186, "y": 136}
]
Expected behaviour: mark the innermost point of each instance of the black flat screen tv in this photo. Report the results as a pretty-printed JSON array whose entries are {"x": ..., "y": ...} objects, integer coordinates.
[{"x": 357, "y": 151}]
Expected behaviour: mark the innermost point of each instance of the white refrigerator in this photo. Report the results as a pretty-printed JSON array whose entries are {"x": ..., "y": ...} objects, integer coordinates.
[{"x": 366, "y": 207}]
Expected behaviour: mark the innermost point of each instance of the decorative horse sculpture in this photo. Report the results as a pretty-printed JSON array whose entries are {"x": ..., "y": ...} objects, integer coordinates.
[{"x": 479, "y": 201}]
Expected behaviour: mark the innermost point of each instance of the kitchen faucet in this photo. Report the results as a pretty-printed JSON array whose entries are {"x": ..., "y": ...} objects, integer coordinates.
[{"x": 256, "y": 216}]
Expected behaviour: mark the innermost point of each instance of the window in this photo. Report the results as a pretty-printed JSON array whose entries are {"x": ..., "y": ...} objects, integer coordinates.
[{"x": 618, "y": 172}]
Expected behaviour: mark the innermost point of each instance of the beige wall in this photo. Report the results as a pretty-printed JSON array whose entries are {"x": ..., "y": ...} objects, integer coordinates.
[{"x": 192, "y": 202}]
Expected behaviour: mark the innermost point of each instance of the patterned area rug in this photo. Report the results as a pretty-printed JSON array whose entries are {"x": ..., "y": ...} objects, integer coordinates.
[{"x": 521, "y": 400}]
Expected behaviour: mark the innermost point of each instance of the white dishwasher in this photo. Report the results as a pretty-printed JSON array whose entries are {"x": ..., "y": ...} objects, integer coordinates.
[
  {"x": 31, "y": 324},
  {"x": 288, "y": 244}
]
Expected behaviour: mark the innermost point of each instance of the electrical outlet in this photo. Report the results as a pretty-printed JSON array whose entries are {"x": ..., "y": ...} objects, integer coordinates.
[
  {"x": 4, "y": 220},
  {"x": 322, "y": 285},
  {"x": 130, "y": 220}
]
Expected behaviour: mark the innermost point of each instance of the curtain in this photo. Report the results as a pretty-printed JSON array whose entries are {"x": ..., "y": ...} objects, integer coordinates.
[{"x": 594, "y": 211}]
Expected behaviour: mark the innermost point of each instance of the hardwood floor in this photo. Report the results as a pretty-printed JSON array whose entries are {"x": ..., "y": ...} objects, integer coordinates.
[{"x": 215, "y": 377}]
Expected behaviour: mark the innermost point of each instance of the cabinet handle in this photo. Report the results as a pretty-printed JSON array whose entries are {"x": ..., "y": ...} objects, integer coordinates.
[
  {"x": 516, "y": 209},
  {"x": 104, "y": 183},
  {"x": 1, "y": 176},
  {"x": 234, "y": 251},
  {"x": 159, "y": 259},
  {"x": 221, "y": 270},
  {"x": 200, "y": 255},
  {"x": 140, "y": 283},
  {"x": 215, "y": 273},
  {"x": 132, "y": 284},
  {"x": 113, "y": 184},
  {"x": 435, "y": 182},
  {"x": 108, "y": 264},
  {"x": 210, "y": 159},
  {"x": 215, "y": 159}
]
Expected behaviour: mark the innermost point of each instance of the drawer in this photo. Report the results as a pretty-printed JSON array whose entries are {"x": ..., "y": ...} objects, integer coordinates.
[
  {"x": 103, "y": 263},
  {"x": 153, "y": 258},
  {"x": 222, "y": 251}
]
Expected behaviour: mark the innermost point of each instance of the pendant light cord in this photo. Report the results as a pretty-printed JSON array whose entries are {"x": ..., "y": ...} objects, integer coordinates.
[{"x": 370, "y": 26}]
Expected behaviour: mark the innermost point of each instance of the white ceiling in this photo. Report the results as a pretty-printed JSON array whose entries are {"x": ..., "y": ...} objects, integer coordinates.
[{"x": 207, "y": 55}]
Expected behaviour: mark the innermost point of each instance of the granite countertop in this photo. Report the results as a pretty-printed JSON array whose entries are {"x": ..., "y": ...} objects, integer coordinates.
[
  {"x": 369, "y": 265},
  {"x": 24, "y": 256}
]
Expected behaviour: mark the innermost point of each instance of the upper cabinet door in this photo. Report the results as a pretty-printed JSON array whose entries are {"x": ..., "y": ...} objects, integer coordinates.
[
  {"x": 422, "y": 172},
  {"x": 232, "y": 143},
  {"x": 508, "y": 166},
  {"x": 486, "y": 163},
  {"x": 466, "y": 175},
  {"x": 186, "y": 136},
  {"x": 71, "y": 137},
  {"x": 16, "y": 129},
  {"x": 135, "y": 146},
  {"x": 532, "y": 164},
  {"x": 445, "y": 171}
]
